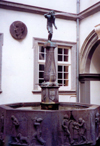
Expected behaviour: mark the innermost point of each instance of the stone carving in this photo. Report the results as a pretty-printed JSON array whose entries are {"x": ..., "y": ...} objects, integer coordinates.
[
  {"x": 50, "y": 22},
  {"x": 17, "y": 138},
  {"x": 97, "y": 118},
  {"x": 1, "y": 139},
  {"x": 74, "y": 131},
  {"x": 2, "y": 130},
  {"x": 38, "y": 134},
  {"x": 97, "y": 30},
  {"x": 52, "y": 95},
  {"x": 49, "y": 94},
  {"x": 2, "y": 123},
  {"x": 15, "y": 121},
  {"x": 21, "y": 139},
  {"x": 43, "y": 95},
  {"x": 18, "y": 30},
  {"x": 97, "y": 125},
  {"x": 65, "y": 125},
  {"x": 79, "y": 129}
]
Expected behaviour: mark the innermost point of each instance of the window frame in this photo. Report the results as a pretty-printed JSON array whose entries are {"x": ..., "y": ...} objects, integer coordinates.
[
  {"x": 72, "y": 46},
  {"x": 62, "y": 63}
]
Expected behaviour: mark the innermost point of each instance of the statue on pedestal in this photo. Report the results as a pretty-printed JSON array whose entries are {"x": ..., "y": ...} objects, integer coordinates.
[{"x": 50, "y": 85}]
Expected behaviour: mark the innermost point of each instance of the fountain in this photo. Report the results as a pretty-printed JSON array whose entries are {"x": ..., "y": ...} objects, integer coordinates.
[{"x": 49, "y": 123}]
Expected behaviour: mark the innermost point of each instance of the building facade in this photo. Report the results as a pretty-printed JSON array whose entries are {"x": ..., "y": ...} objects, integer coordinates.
[{"x": 22, "y": 54}]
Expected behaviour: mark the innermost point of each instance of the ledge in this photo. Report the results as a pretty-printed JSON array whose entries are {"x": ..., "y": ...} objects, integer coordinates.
[
  {"x": 69, "y": 92},
  {"x": 89, "y": 77},
  {"x": 89, "y": 11}
]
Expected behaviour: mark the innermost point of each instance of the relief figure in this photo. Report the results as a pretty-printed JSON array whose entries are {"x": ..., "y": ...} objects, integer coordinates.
[{"x": 38, "y": 134}]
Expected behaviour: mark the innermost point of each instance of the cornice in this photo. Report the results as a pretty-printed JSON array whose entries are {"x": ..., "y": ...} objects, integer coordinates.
[
  {"x": 39, "y": 10},
  {"x": 89, "y": 77},
  {"x": 89, "y": 11},
  {"x": 36, "y": 10}
]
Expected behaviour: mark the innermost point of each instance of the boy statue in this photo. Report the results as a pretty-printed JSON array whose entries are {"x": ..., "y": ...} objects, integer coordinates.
[{"x": 50, "y": 22}]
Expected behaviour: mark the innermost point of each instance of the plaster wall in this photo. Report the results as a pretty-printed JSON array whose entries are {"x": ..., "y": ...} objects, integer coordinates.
[
  {"x": 66, "y": 98},
  {"x": 84, "y": 4},
  {"x": 61, "y": 5},
  {"x": 17, "y": 56},
  {"x": 95, "y": 92},
  {"x": 87, "y": 25},
  {"x": 95, "y": 85}
]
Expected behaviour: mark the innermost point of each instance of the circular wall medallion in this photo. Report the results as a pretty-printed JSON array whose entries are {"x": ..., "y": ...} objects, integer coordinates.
[{"x": 18, "y": 30}]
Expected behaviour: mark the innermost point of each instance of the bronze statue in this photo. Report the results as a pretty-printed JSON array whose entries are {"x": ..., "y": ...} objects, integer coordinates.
[{"x": 50, "y": 22}]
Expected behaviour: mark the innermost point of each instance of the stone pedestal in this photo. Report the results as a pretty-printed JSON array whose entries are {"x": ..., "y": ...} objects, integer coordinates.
[
  {"x": 50, "y": 94},
  {"x": 49, "y": 97},
  {"x": 49, "y": 86}
]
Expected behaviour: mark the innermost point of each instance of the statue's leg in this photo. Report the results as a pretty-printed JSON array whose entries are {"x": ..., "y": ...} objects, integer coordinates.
[{"x": 50, "y": 36}]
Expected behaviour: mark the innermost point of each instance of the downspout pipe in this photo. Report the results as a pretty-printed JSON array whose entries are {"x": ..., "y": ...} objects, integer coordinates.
[{"x": 77, "y": 51}]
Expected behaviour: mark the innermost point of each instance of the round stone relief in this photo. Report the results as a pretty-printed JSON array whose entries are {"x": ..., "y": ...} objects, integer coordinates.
[{"x": 18, "y": 30}]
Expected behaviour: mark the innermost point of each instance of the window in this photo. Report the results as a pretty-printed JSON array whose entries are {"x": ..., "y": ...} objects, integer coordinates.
[
  {"x": 41, "y": 62},
  {"x": 65, "y": 65}
]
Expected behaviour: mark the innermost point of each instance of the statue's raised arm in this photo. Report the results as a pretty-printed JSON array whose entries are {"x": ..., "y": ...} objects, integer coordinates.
[{"x": 50, "y": 22}]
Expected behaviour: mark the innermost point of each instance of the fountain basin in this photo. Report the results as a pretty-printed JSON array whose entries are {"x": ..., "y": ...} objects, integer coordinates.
[{"x": 26, "y": 124}]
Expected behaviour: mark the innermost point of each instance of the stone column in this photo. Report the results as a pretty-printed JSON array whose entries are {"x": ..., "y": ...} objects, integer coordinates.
[
  {"x": 49, "y": 86},
  {"x": 50, "y": 69}
]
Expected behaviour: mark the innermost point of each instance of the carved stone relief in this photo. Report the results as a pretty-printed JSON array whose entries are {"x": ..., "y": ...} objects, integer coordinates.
[
  {"x": 52, "y": 95},
  {"x": 79, "y": 130},
  {"x": 74, "y": 131},
  {"x": 44, "y": 95},
  {"x": 2, "y": 130},
  {"x": 37, "y": 136},
  {"x": 65, "y": 125},
  {"x": 97, "y": 30},
  {"x": 17, "y": 138},
  {"x": 18, "y": 30},
  {"x": 97, "y": 118},
  {"x": 97, "y": 125}
]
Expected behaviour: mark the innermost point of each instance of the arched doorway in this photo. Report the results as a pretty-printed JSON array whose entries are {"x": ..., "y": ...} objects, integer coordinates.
[
  {"x": 95, "y": 69},
  {"x": 89, "y": 50}
]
